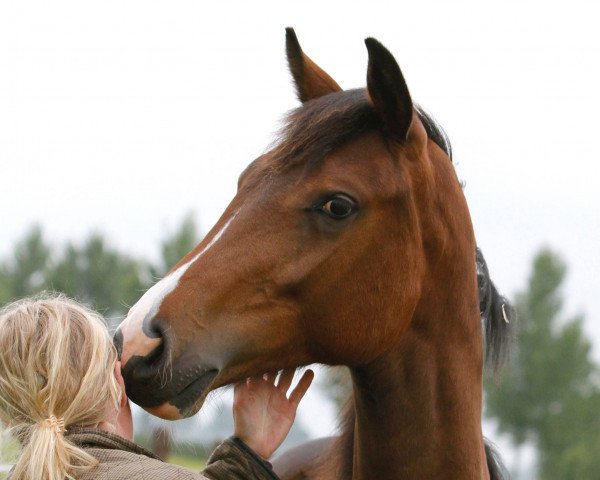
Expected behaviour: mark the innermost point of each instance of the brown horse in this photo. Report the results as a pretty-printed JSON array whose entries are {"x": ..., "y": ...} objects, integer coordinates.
[{"x": 348, "y": 243}]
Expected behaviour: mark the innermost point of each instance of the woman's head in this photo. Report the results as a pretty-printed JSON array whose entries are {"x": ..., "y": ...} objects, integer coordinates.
[{"x": 57, "y": 364}]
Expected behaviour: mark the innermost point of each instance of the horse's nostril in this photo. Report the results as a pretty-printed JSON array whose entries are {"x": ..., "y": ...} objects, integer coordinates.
[
  {"x": 157, "y": 342},
  {"x": 145, "y": 368},
  {"x": 154, "y": 358},
  {"x": 153, "y": 327},
  {"x": 145, "y": 360},
  {"x": 144, "y": 375}
]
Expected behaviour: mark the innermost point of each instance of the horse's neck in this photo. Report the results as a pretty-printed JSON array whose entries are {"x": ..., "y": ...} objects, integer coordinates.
[{"x": 418, "y": 408}]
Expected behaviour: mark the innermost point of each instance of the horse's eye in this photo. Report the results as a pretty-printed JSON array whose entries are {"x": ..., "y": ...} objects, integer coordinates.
[{"x": 338, "y": 207}]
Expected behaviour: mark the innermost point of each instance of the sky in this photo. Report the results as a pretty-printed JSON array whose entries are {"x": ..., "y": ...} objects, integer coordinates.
[{"x": 124, "y": 116}]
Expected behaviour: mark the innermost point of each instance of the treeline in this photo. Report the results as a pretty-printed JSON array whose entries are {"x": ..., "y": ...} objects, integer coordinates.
[
  {"x": 92, "y": 271},
  {"x": 549, "y": 393}
]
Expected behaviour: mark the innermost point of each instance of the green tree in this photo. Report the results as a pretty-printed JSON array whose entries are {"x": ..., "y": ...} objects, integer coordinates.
[
  {"x": 98, "y": 275},
  {"x": 175, "y": 246},
  {"x": 548, "y": 393},
  {"x": 92, "y": 272},
  {"x": 25, "y": 272}
]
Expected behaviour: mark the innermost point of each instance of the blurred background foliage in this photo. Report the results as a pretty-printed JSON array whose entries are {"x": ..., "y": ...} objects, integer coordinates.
[
  {"x": 93, "y": 271},
  {"x": 96, "y": 273},
  {"x": 548, "y": 394}
]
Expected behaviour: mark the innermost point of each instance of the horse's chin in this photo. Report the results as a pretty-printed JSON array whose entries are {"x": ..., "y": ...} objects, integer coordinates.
[
  {"x": 166, "y": 411},
  {"x": 187, "y": 402}
]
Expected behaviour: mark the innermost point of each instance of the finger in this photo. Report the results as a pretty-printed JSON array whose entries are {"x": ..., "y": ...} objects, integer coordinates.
[
  {"x": 285, "y": 379},
  {"x": 302, "y": 387},
  {"x": 254, "y": 381},
  {"x": 270, "y": 377}
]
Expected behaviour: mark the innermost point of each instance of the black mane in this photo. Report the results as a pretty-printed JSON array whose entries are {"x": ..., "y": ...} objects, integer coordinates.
[
  {"x": 434, "y": 130},
  {"x": 497, "y": 314},
  {"x": 495, "y": 465}
]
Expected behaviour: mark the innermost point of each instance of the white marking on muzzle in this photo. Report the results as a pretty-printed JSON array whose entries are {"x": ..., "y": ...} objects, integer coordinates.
[{"x": 151, "y": 301}]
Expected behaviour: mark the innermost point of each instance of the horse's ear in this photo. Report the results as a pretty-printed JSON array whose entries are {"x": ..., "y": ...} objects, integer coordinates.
[
  {"x": 310, "y": 80},
  {"x": 388, "y": 91}
]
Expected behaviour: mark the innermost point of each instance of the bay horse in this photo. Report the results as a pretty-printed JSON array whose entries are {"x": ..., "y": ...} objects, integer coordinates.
[{"x": 349, "y": 242}]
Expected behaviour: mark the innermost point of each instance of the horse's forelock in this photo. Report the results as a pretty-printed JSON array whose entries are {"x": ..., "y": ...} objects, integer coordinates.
[
  {"x": 318, "y": 127},
  {"x": 314, "y": 130}
]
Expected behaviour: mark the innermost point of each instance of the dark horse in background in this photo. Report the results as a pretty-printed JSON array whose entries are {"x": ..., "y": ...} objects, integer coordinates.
[{"x": 347, "y": 243}]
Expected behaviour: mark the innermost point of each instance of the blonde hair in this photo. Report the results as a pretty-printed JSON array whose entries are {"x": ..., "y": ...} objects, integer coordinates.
[{"x": 57, "y": 364}]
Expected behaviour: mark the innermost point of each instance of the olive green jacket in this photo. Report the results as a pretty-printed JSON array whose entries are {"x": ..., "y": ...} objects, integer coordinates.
[{"x": 120, "y": 459}]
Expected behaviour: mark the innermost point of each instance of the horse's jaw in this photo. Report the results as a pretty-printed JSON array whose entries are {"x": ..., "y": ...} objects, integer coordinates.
[{"x": 188, "y": 401}]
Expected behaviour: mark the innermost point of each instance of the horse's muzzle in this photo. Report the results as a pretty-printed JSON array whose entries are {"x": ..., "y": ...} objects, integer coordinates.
[{"x": 164, "y": 386}]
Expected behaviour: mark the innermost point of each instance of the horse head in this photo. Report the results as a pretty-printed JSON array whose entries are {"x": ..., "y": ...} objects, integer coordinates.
[{"x": 334, "y": 242}]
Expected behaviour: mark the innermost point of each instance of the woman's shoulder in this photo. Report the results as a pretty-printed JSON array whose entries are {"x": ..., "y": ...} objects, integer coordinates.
[
  {"x": 117, "y": 465},
  {"x": 120, "y": 459}
]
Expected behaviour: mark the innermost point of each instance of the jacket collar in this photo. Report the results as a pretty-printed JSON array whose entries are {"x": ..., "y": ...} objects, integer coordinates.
[{"x": 96, "y": 438}]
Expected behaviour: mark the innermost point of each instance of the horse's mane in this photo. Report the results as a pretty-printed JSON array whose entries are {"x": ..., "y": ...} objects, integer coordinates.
[
  {"x": 434, "y": 130},
  {"x": 497, "y": 314},
  {"x": 495, "y": 465}
]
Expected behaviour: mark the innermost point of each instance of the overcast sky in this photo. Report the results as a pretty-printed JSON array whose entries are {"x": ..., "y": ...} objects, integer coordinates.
[{"x": 123, "y": 116}]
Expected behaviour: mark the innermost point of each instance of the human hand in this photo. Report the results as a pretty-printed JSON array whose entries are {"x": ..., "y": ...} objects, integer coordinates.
[{"x": 262, "y": 412}]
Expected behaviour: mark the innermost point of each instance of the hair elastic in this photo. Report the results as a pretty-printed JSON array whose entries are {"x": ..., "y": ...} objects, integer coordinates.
[{"x": 56, "y": 424}]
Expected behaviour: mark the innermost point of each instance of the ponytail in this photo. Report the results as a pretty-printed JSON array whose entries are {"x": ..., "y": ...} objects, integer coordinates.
[
  {"x": 56, "y": 372},
  {"x": 48, "y": 455}
]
